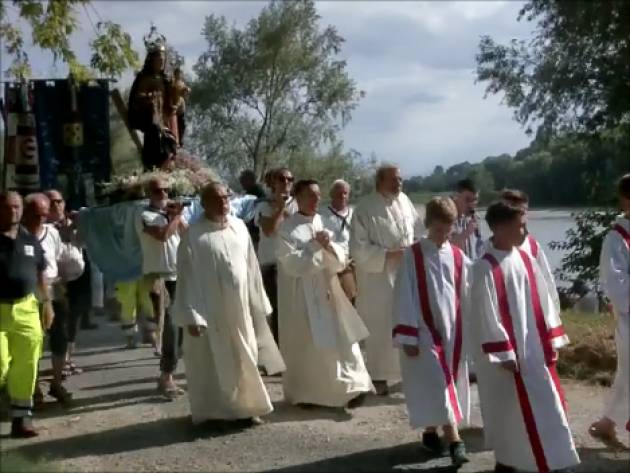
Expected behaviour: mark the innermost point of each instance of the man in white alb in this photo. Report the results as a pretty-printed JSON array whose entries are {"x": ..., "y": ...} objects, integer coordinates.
[
  {"x": 336, "y": 218},
  {"x": 319, "y": 327},
  {"x": 614, "y": 274},
  {"x": 516, "y": 332},
  {"x": 383, "y": 225},
  {"x": 219, "y": 293}
]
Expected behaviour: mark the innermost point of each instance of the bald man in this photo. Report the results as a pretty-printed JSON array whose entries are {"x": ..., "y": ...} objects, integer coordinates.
[{"x": 22, "y": 289}]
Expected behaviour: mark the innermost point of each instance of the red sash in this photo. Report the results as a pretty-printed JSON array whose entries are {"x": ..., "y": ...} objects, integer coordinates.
[
  {"x": 427, "y": 316},
  {"x": 624, "y": 234},
  {"x": 533, "y": 244},
  {"x": 523, "y": 398}
]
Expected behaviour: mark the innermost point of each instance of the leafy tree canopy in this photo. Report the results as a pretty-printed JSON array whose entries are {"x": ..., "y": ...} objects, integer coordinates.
[
  {"x": 573, "y": 75},
  {"x": 271, "y": 90},
  {"x": 52, "y": 23}
]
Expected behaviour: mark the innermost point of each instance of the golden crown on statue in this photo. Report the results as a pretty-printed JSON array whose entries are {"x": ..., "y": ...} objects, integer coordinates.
[{"x": 154, "y": 41}]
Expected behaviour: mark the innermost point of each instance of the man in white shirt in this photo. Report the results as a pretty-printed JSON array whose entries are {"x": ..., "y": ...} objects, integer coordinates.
[
  {"x": 219, "y": 298},
  {"x": 319, "y": 327},
  {"x": 383, "y": 225},
  {"x": 269, "y": 215},
  {"x": 467, "y": 235},
  {"x": 336, "y": 218},
  {"x": 614, "y": 274},
  {"x": 159, "y": 228}
]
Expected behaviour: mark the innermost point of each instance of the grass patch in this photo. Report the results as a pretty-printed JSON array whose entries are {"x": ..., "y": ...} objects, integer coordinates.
[
  {"x": 11, "y": 462},
  {"x": 591, "y": 356},
  {"x": 421, "y": 198}
]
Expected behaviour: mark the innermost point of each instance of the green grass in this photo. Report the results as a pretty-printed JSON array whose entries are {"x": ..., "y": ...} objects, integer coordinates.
[
  {"x": 591, "y": 355},
  {"x": 11, "y": 462},
  {"x": 421, "y": 198}
]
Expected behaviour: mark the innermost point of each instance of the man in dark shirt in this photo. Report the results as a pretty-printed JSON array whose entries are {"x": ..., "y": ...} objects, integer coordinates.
[{"x": 22, "y": 267}]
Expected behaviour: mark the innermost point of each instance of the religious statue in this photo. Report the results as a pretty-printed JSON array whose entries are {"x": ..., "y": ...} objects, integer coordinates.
[
  {"x": 152, "y": 107},
  {"x": 180, "y": 92}
]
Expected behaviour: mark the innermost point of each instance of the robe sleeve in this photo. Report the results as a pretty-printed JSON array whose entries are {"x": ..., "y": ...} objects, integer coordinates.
[
  {"x": 258, "y": 300},
  {"x": 406, "y": 310},
  {"x": 543, "y": 263},
  {"x": 492, "y": 338},
  {"x": 187, "y": 298},
  {"x": 335, "y": 261},
  {"x": 298, "y": 262},
  {"x": 367, "y": 256},
  {"x": 614, "y": 273}
]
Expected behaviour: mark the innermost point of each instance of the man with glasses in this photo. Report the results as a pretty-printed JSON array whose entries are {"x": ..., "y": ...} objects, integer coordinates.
[
  {"x": 159, "y": 228},
  {"x": 467, "y": 235},
  {"x": 269, "y": 215}
]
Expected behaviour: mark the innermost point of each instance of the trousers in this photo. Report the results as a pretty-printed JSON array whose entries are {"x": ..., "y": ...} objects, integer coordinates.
[
  {"x": 135, "y": 297},
  {"x": 171, "y": 336},
  {"x": 21, "y": 339}
]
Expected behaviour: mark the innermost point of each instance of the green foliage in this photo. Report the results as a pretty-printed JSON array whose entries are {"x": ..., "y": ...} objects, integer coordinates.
[
  {"x": 573, "y": 75},
  {"x": 583, "y": 245},
  {"x": 52, "y": 24},
  {"x": 274, "y": 88}
]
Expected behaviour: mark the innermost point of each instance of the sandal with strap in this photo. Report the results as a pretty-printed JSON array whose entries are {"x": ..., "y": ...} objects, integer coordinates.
[{"x": 60, "y": 393}]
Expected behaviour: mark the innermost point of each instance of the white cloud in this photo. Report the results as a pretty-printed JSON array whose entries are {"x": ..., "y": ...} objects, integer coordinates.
[{"x": 415, "y": 60}]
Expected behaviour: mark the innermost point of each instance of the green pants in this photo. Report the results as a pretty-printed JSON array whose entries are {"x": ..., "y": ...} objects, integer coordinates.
[
  {"x": 135, "y": 297},
  {"x": 21, "y": 339}
]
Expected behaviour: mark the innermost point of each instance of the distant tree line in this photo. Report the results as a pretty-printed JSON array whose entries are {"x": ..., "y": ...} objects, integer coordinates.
[{"x": 573, "y": 170}]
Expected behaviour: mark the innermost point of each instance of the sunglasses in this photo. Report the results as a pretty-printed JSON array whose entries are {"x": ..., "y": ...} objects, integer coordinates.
[
  {"x": 56, "y": 201},
  {"x": 286, "y": 178},
  {"x": 160, "y": 190}
]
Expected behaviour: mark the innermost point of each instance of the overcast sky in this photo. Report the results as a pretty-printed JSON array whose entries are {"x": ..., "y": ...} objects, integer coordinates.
[{"x": 415, "y": 61}]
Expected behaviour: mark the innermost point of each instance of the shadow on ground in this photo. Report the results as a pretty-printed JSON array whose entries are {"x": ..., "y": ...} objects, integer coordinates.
[{"x": 131, "y": 438}]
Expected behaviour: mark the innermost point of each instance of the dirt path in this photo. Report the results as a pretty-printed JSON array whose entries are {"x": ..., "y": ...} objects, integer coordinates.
[{"x": 118, "y": 424}]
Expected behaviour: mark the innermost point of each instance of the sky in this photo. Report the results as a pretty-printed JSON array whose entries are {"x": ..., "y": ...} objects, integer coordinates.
[{"x": 414, "y": 60}]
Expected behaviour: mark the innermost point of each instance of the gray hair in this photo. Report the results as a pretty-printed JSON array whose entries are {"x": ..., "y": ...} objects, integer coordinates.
[
  {"x": 383, "y": 169},
  {"x": 339, "y": 183},
  {"x": 34, "y": 198}
]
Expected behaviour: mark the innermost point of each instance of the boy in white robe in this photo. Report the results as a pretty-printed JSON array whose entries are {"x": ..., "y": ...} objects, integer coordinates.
[
  {"x": 384, "y": 223},
  {"x": 429, "y": 294},
  {"x": 319, "y": 327},
  {"x": 530, "y": 245},
  {"x": 517, "y": 332},
  {"x": 219, "y": 295},
  {"x": 614, "y": 274}
]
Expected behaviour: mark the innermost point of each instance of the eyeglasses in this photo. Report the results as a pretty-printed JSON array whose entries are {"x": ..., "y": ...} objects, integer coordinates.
[
  {"x": 285, "y": 178},
  {"x": 160, "y": 190},
  {"x": 56, "y": 201}
]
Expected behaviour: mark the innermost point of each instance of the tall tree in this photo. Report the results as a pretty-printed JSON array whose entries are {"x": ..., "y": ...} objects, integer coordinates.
[
  {"x": 52, "y": 23},
  {"x": 271, "y": 89},
  {"x": 574, "y": 73}
]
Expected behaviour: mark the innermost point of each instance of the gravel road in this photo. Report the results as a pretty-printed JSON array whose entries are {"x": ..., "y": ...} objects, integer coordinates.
[{"x": 118, "y": 424}]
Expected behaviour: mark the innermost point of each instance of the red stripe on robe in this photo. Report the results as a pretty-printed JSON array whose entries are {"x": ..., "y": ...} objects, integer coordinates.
[{"x": 427, "y": 316}]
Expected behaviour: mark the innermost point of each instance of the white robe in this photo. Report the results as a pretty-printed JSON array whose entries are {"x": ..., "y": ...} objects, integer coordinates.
[
  {"x": 614, "y": 270},
  {"x": 515, "y": 319},
  {"x": 219, "y": 287},
  {"x": 435, "y": 382},
  {"x": 319, "y": 329},
  {"x": 380, "y": 224}
]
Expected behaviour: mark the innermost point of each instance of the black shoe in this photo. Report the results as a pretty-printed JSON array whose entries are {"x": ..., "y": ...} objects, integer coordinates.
[
  {"x": 381, "y": 388},
  {"x": 501, "y": 468},
  {"x": 458, "y": 453},
  {"x": 472, "y": 378},
  {"x": 357, "y": 401},
  {"x": 431, "y": 441},
  {"x": 21, "y": 428}
]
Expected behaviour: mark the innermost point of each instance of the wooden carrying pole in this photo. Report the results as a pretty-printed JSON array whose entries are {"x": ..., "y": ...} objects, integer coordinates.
[{"x": 119, "y": 103}]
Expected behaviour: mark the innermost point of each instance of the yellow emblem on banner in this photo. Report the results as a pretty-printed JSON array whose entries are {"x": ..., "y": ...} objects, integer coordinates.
[{"x": 73, "y": 134}]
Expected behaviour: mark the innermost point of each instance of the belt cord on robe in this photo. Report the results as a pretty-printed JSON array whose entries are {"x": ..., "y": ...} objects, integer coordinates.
[
  {"x": 543, "y": 332},
  {"x": 427, "y": 315},
  {"x": 521, "y": 389}
]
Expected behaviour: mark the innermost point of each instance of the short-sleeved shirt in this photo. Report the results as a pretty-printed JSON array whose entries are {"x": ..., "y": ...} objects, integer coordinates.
[
  {"x": 267, "y": 244},
  {"x": 157, "y": 257},
  {"x": 20, "y": 261}
]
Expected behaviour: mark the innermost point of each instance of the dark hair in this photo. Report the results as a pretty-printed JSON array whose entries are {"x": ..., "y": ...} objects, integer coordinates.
[
  {"x": 623, "y": 187},
  {"x": 466, "y": 185},
  {"x": 515, "y": 197},
  {"x": 247, "y": 173},
  {"x": 302, "y": 184},
  {"x": 501, "y": 212}
]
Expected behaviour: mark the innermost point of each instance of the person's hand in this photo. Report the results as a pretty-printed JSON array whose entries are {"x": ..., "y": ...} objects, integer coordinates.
[
  {"x": 471, "y": 227},
  {"x": 394, "y": 256},
  {"x": 48, "y": 315},
  {"x": 510, "y": 365},
  {"x": 323, "y": 238},
  {"x": 174, "y": 208},
  {"x": 411, "y": 350},
  {"x": 278, "y": 203},
  {"x": 195, "y": 330}
]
